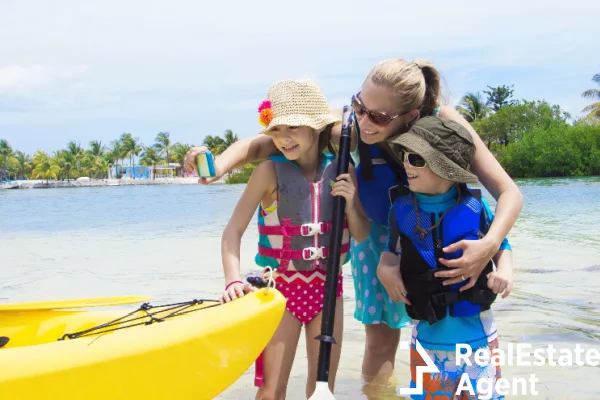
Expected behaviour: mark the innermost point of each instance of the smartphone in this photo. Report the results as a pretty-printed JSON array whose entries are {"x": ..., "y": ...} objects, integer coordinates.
[{"x": 206, "y": 165}]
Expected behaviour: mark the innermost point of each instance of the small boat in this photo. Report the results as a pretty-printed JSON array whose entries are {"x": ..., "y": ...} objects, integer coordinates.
[{"x": 190, "y": 350}]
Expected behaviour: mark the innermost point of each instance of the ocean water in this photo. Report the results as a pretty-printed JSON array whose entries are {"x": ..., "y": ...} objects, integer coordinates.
[{"x": 164, "y": 241}]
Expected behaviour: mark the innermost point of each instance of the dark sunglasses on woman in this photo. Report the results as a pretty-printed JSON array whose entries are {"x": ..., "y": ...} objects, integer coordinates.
[{"x": 380, "y": 118}]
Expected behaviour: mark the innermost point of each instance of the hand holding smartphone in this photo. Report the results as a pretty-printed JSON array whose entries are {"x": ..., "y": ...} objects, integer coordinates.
[{"x": 205, "y": 165}]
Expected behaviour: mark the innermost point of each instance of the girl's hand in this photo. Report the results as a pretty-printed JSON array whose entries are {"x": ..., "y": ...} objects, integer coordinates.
[
  {"x": 501, "y": 281},
  {"x": 390, "y": 277},
  {"x": 344, "y": 187},
  {"x": 190, "y": 165},
  {"x": 235, "y": 290}
]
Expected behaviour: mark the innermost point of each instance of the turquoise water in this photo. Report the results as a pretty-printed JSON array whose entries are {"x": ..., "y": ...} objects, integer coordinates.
[{"x": 164, "y": 241}]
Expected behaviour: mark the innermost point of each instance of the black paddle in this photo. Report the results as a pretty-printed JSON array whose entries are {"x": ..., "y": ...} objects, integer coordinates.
[{"x": 333, "y": 268}]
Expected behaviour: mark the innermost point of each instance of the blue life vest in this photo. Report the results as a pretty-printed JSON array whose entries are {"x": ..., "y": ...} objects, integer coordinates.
[
  {"x": 431, "y": 301},
  {"x": 375, "y": 194}
]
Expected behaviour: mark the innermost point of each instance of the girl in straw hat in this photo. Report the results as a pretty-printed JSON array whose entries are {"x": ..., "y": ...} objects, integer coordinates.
[
  {"x": 395, "y": 94},
  {"x": 294, "y": 194}
]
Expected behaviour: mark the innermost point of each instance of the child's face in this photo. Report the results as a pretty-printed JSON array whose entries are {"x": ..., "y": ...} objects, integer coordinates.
[
  {"x": 423, "y": 180},
  {"x": 294, "y": 141}
]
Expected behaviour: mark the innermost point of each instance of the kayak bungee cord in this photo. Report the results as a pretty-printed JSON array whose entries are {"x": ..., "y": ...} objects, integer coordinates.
[
  {"x": 267, "y": 282},
  {"x": 149, "y": 312}
]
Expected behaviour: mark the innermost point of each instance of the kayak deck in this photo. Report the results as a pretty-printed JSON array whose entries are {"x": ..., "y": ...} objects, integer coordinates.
[{"x": 28, "y": 328}]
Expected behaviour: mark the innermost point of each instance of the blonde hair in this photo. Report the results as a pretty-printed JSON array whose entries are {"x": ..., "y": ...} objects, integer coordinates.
[{"x": 415, "y": 84}]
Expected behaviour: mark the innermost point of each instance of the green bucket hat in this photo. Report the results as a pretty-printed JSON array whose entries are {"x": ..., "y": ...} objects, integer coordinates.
[{"x": 445, "y": 145}]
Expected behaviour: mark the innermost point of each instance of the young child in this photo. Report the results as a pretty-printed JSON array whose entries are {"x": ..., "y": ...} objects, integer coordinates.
[
  {"x": 438, "y": 210},
  {"x": 294, "y": 193}
]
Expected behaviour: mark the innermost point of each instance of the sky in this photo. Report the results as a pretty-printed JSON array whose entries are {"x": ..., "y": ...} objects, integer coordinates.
[{"x": 91, "y": 70}]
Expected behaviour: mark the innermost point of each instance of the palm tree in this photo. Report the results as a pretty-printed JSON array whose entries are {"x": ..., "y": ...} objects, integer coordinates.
[
  {"x": 109, "y": 161},
  {"x": 179, "y": 151},
  {"x": 117, "y": 152},
  {"x": 163, "y": 144},
  {"x": 133, "y": 147},
  {"x": 473, "y": 107},
  {"x": 230, "y": 138},
  {"x": 24, "y": 163},
  {"x": 215, "y": 144},
  {"x": 5, "y": 152},
  {"x": 77, "y": 151},
  {"x": 150, "y": 158},
  {"x": 593, "y": 109},
  {"x": 100, "y": 167},
  {"x": 45, "y": 167},
  {"x": 97, "y": 149}
]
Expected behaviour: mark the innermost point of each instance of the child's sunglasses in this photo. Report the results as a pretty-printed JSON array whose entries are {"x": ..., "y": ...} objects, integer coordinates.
[
  {"x": 414, "y": 160},
  {"x": 377, "y": 117}
]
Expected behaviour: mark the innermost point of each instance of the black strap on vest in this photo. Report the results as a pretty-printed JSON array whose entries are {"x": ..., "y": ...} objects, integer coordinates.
[{"x": 366, "y": 162}]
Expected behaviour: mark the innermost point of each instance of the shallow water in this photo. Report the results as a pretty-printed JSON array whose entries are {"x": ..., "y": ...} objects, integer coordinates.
[{"x": 164, "y": 241}]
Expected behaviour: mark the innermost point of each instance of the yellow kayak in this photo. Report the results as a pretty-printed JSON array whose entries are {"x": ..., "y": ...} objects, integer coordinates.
[{"x": 182, "y": 351}]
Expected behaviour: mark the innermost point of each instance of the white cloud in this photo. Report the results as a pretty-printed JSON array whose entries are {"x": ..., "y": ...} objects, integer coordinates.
[{"x": 16, "y": 79}]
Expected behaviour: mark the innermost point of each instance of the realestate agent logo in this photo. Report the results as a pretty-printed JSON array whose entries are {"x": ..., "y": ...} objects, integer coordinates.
[{"x": 430, "y": 367}]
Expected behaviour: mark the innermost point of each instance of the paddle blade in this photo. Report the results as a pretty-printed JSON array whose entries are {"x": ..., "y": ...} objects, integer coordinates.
[
  {"x": 74, "y": 303},
  {"x": 322, "y": 392}
]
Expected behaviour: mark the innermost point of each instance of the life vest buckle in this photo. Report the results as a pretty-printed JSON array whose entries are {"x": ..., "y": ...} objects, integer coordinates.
[
  {"x": 447, "y": 298},
  {"x": 311, "y": 229},
  {"x": 312, "y": 253}
]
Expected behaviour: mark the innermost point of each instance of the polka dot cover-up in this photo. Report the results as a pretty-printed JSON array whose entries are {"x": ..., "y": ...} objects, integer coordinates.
[{"x": 373, "y": 304}]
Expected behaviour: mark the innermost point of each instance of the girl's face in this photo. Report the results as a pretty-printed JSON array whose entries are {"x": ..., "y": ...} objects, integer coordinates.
[
  {"x": 377, "y": 113},
  {"x": 295, "y": 141}
]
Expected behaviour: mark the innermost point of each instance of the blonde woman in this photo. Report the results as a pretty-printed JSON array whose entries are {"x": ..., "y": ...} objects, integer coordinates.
[{"x": 393, "y": 96}]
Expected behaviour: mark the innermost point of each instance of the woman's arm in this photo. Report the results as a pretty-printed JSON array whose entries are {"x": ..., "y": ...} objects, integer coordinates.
[
  {"x": 509, "y": 200},
  {"x": 235, "y": 156},
  {"x": 259, "y": 183}
]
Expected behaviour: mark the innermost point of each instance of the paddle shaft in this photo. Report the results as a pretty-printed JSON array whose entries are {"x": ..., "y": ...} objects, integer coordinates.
[{"x": 333, "y": 261}]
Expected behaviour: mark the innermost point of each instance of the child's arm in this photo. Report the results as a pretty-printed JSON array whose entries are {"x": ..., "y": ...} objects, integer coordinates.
[
  {"x": 501, "y": 280},
  {"x": 358, "y": 224},
  {"x": 388, "y": 270},
  {"x": 250, "y": 149},
  {"x": 258, "y": 186},
  {"x": 235, "y": 156}
]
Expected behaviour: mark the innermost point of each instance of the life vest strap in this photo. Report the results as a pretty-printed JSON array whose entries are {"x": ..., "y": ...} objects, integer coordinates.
[
  {"x": 312, "y": 229},
  {"x": 428, "y": 276},
  {"x": 309, "y": 253},
  {"x": 475, "y": 296}
]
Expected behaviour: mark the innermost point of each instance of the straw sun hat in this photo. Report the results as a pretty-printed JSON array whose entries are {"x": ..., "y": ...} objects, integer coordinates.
[{"x": 295, "y": 103}]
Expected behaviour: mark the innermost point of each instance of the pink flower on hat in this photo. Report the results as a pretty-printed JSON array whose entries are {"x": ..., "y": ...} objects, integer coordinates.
[{"x": 266, "y": 113}]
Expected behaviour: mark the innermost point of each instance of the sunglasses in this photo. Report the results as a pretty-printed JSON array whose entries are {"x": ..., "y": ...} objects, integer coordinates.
[
  {"x": 377, "y": 117},
  {"x": 414, "y": 160}
]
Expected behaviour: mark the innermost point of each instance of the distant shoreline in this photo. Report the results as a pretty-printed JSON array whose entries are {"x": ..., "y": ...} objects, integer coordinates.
[{"x": 42, "y": 184}]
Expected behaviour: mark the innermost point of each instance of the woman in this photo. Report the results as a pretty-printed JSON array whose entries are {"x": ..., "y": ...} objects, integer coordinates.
[{"x": 393, "y": 96}]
